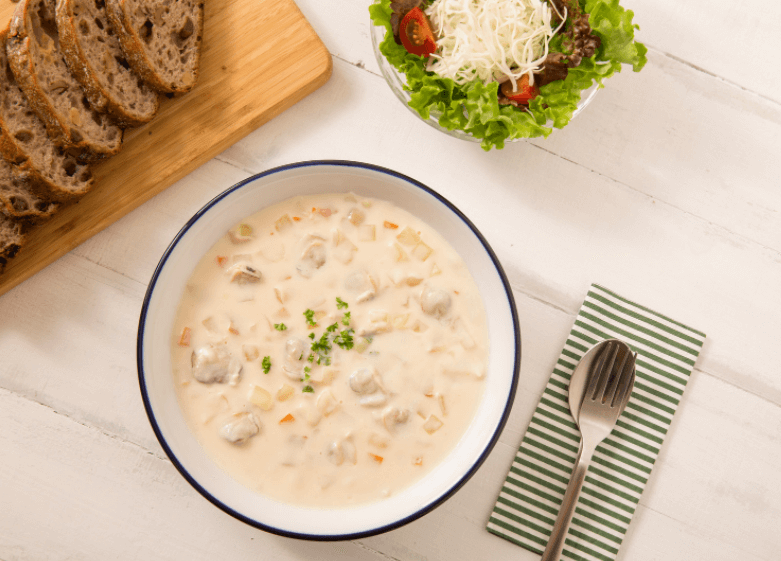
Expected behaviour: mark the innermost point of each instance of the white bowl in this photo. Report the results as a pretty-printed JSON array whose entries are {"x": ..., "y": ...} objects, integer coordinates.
[{"x": 159, "y": 309}]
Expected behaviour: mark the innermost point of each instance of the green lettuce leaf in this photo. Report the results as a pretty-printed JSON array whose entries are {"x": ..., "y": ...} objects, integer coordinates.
[{"x": 474, "y": 107}]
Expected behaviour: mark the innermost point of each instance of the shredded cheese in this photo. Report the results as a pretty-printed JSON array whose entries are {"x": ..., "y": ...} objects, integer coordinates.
[{"x": 490, "y": 40}]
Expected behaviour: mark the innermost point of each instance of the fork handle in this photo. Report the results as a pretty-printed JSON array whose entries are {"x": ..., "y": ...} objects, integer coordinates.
[{"x": 561, "y": 527}]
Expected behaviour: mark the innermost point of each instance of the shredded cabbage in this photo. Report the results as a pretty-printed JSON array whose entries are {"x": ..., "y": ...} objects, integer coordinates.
[{"x": 489, "y": 40}]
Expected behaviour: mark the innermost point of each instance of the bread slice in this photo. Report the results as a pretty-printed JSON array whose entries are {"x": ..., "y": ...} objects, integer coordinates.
[
  {"x": 11, "y": 239},
  {"x": 161, "y": 39},
  {"x": 53, "y": 174},
  {"x": 18, "y": 201},
  {"x": 57, "y": 98},
  {"x": 94, "y": 57}
]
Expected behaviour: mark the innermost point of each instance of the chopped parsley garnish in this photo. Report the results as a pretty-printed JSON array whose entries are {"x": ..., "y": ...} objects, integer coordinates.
[
  {"x": 308, "y": 389},
  {"x": 266, "y": 364},
  {"x": 346, "y": 318},
  {"x": 280, "y": 326},
  {"x": 340, "y": 304},
  {"x": 345, "y": 339},
  {"x": 310, "y": 318},
  {"x": 307, "y": 370},
  {"x": 322, "y": 346}
]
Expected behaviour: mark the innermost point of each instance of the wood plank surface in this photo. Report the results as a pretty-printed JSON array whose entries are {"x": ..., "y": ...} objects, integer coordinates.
[
  {"x": 258, "y": 59},
  {"x": 664, "y": 190}
]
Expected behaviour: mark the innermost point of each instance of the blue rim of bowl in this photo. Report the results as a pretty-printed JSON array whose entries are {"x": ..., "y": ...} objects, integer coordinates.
[{"x": 327, "y": 537}]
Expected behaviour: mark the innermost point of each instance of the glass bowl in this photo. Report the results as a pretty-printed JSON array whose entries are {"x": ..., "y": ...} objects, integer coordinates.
[{"x": 397, "y": 81}]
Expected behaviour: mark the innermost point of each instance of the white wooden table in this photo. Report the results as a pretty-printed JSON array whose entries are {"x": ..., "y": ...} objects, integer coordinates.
[{"x": 666, "y": 190}]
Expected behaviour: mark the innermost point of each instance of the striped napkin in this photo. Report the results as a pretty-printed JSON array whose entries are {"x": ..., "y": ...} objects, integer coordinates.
[{"x": 529, "y": 502}]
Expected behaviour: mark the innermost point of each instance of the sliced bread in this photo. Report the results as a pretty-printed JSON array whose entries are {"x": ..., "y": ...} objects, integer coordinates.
[
  {"x": 53, "y": 93},
  {"x": 11, "y": 239},
  {"x": 17, "y": 200},
  {"x": 161, "y": 40},
  {"x": 94, "y": 57},
  {"x": 53, "y": 173}
]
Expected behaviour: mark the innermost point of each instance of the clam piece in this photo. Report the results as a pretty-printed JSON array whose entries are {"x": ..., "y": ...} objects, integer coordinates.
[
  {"x": 214, "y": 364},
  {"x": 294, "y": 349},
  {"x": 362, "y": 381},
  {"x": 240, "y": 430},
  {"x": 312, "y": 259},
  {"x": 244, "y": 273},
  {"x": 435, "y": 302},
  {"x": 393, "y": 416},
  {"x": 293, "y": 371}
]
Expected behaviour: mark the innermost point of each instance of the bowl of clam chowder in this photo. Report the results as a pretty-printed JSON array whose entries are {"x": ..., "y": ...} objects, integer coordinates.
[{"x": 328, "y": 350}]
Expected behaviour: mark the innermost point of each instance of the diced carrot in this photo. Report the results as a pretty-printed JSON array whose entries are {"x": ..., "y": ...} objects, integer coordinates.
[
  {"x": 184, "y": 340},
  {"x": 418, "y": 461},
  {"x": 232, "y": 329},
  {"x": 390, "y": 225},
  {"x": 296, "y": 218},
  {"x": 376, "y": 458},
  {"x": 287, "y": 419},
  {"x": 221, "y": 260}
]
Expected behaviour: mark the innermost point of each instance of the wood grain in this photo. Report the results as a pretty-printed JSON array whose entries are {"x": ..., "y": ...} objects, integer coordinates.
[
  {"x": 258, "y": 59},
  {"x": 665, "y": 189}
]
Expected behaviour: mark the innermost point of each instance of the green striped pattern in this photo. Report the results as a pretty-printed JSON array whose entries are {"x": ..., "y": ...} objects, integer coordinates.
[{"x": 531, "y": 496}]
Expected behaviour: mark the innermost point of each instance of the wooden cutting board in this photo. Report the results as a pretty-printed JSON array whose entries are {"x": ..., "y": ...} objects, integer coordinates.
[{"x": 259, "y": 57}]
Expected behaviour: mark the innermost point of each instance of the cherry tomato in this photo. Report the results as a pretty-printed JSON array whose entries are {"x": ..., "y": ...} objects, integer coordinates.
[
  {"x": 416, "y": 34},
  {"x": 524, "y": 92}
]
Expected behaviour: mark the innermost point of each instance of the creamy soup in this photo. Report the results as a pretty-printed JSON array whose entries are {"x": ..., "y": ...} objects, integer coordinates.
[{"x": 330, "y": 350}]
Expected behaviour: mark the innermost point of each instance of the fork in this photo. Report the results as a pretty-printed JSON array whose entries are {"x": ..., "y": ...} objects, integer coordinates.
[{"x": 608, "y": 387}]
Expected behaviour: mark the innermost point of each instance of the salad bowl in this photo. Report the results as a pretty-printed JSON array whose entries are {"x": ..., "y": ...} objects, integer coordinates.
[
  {"x": 502, "y": 70},
  {"x": 397, "y": 83}
]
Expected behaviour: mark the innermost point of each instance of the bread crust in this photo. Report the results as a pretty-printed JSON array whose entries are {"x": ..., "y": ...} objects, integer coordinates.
[
  {"x": 136, "y": 55},
  {"x": 100, "y": 98},
  {"x": 13, "y": 151},
  {"x": 21, "y": 57}
]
